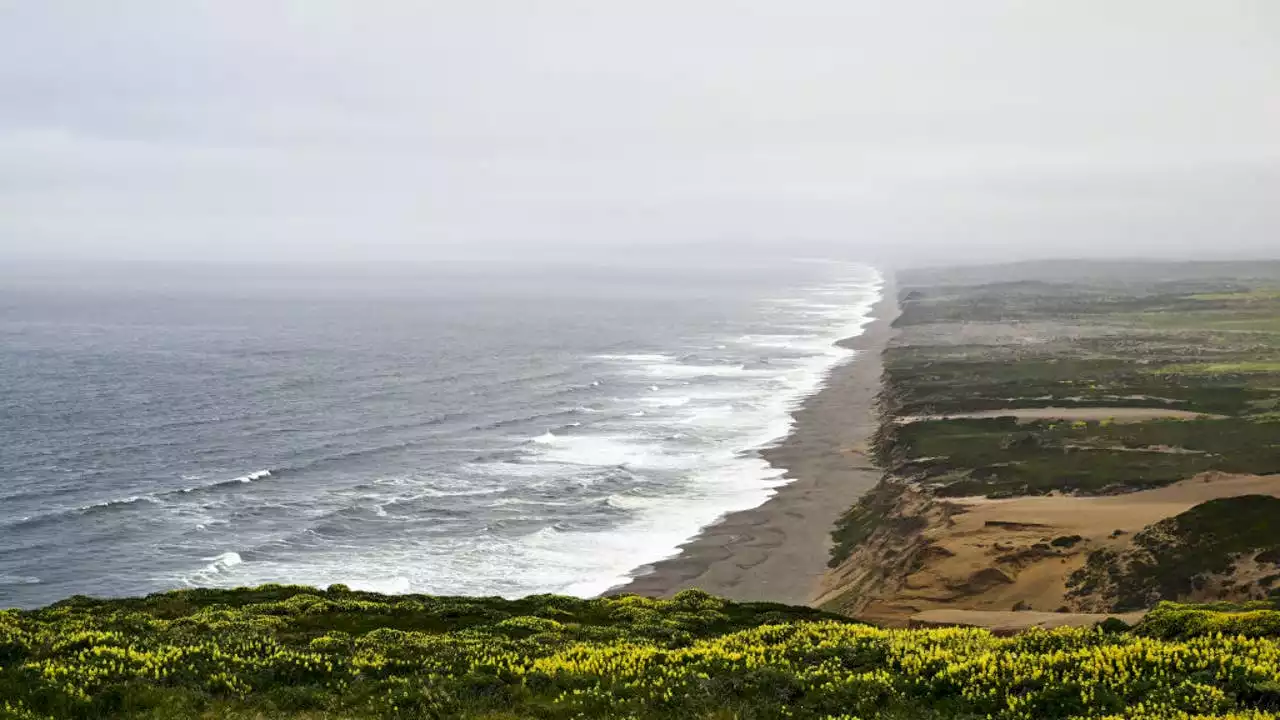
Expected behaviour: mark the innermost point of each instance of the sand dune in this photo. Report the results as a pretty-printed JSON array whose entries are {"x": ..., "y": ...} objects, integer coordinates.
[{"x": 998, "y": 555}]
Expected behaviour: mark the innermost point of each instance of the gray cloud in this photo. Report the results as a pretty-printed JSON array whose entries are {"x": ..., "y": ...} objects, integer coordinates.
[{"x": 922, "y": 129}]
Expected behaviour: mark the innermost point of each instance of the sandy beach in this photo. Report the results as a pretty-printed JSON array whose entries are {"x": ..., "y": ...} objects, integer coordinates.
[{"x": 779, "y": 550}]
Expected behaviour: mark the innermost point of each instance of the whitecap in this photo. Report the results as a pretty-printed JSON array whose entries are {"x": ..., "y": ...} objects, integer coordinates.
[
  {"x": 667, "y": 401},
  {"x": 243, "y": 479},
  {"x": 19, "y": 580},
  {"x": 613, "y": 451},
  {"x": 222, "y": 563},
  {"x": 132, "y": 500},
  {"x": 676, "y": 370},
  {"x": 635, "y": 357}
]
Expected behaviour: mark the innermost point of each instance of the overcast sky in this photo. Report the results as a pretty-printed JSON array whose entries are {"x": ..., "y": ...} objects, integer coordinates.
[{"x": 905, "y": 130}]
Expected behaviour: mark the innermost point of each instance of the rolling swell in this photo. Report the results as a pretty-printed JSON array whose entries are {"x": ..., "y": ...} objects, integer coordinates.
[{"x": 108, "y": 506}]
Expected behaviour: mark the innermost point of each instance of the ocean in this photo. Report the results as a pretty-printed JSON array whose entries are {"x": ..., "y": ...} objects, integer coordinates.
[{"x": 478, "y": 429}]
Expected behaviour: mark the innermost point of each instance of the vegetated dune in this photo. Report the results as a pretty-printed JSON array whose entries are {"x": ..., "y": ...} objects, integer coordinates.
[{"x": 1005, "y": 554}]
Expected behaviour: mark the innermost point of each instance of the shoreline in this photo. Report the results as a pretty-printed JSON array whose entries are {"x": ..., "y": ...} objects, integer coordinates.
[{"x": 778, "y": 551}]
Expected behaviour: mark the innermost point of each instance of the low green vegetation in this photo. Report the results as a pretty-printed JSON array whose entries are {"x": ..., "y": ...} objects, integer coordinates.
[
  {"x": 871, "y": 512},
  {"x": 278, "y": 651},
  {"x": 1174, "y": 621},
  {"x": 924, "y": 384},
  {"x": 1088, "y": 340},
  {"x": 296, "y": 652},
  {"x": 1238, "y": 368},
  {"x": 1178, "y": 556},
  {"x": 1001, "y": 457},
  {"x": 1249, "y": 296}
]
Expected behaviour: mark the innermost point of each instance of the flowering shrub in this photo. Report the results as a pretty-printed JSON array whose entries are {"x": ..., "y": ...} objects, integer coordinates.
[{"x": 293, "y": 652}]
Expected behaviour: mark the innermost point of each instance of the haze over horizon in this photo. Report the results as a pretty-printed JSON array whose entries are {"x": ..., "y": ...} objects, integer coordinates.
[{"x": 395, "y": 131}]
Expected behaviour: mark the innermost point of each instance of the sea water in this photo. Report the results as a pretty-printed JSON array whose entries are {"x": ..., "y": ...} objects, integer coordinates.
[{"x": 470, "y": 429}]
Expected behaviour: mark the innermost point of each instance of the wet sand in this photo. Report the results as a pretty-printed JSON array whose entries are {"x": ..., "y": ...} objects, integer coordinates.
[{"x": 779, "y": 550}]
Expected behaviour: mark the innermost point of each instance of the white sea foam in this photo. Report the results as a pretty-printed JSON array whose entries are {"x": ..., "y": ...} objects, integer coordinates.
[
  {"x": 643, "y": 358},
  {"x": 660, "y": 401},
  {"x": 679, "y": 370},
  {"x": 509, "y": 469},
  {"x": 243, "y": 479},
  {"x": 722, "y": 476},
  {"x": 394, "y": 585},
  {"x": 220, "y": 564},
  {"x": 19, "y": 580},
  {"x": 131, "y": 500},
  {"x": 612, "y": 451},
  {"x": 786, "y": 341},
  {"x": 424, "y": 491}
]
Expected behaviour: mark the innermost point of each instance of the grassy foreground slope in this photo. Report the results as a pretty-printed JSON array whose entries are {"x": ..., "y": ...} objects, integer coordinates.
[{"x": 296, "y": 652}]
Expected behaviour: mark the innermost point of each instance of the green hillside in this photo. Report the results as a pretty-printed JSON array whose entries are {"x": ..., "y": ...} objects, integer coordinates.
[{"x": 296, "y": 652}]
